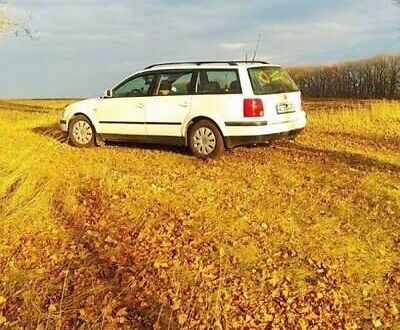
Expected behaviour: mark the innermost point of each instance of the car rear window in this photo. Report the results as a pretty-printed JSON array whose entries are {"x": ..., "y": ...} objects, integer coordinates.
[{"x": 271, "y": 80}]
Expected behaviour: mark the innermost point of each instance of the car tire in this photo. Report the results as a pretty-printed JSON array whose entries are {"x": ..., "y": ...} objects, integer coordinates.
[
  {"x": 206, "y": 140},
  {"x": 81, "y": 132}
]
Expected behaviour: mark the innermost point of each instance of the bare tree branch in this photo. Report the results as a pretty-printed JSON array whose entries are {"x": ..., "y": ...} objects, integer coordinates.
[
  {"x": 6, "y": 22},
  {"x": 10, "y": 24}
]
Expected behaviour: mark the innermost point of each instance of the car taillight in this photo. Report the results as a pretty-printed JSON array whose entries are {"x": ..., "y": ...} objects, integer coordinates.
[{"x": 253, "y": 108}]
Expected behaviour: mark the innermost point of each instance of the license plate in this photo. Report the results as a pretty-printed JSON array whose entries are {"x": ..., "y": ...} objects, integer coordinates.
[{"x": 284, "y": 108}]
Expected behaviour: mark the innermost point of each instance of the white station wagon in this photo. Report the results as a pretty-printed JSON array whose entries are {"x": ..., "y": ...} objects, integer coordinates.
[{"x": 207, "y": 106}]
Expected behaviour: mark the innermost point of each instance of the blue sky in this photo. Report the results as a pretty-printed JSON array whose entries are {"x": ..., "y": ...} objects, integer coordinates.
[{"x": 86, "y": 46}]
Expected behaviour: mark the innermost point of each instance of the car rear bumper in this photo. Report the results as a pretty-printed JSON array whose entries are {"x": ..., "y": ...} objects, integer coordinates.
[
  {"x": 262, "y": 127},
  {"x": 264, "y": 133},
  {"x": 235, "y": 141}
]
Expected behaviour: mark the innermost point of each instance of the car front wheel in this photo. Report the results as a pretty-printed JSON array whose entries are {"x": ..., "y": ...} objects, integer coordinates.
[
  {"x": 81, "y": 132},
  {"x": 205, "y": 140}
]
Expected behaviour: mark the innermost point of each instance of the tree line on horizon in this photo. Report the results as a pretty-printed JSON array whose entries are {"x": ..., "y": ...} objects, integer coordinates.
[{"x": 377, "y": 77}]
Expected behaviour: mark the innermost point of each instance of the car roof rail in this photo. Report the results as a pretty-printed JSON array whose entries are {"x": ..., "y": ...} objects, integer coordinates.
[
  {"x": 232, "y": 63},
  {"x": 251, "y": 62}
]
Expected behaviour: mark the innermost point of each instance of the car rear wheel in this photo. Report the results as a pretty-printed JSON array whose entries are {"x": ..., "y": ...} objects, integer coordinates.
[
  {"x": 81, "y": 132},
  {"x": 205, "y": 140}
]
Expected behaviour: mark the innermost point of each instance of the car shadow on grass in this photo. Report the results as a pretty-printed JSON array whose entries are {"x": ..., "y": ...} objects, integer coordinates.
[
  {"x": 52, "y": 131},
  {"x": 353, "y": 160},
  {"x": 150, "y": 146},
  {"x": 375, "y": 140}
]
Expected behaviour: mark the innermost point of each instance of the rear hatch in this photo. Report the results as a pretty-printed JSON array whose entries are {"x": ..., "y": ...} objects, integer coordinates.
[{"x": 280, "y": 95}]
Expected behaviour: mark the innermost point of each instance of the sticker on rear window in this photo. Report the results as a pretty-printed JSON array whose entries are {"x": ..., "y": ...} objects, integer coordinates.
[{"x": 263, "y": 77}]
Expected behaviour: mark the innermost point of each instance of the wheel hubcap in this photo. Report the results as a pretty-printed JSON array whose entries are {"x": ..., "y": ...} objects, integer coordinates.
[
  {"x": 82, "y": 132},
  {"x": 204, "y": 141}
]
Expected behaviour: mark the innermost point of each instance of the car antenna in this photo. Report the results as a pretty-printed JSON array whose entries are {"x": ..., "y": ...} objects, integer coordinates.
[{"x": 257, "y": 47}]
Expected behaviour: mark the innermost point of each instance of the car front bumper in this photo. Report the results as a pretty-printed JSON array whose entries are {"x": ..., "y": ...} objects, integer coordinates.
[{"x": 63, "y": 125}]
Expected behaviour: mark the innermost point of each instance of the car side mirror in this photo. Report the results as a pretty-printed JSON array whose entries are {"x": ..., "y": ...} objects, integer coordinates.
[{"x": 108, "y": 93}]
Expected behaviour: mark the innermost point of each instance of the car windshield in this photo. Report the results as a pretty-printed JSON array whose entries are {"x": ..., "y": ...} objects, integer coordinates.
[{"x": 271, "y": 80}]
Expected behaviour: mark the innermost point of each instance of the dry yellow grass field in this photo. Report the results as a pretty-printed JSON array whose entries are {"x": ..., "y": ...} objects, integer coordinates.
[{"x": 289, "y": 236}]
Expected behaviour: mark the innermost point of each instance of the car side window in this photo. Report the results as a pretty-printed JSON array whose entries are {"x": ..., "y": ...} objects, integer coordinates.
[
  {"x": 175, "y": 83},
  {"x": 219, "y": 82},
  {"x": 135, "y": 87}
]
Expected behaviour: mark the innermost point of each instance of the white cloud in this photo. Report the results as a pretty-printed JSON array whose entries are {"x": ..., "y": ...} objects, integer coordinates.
[{"x": 232, "y": 45}]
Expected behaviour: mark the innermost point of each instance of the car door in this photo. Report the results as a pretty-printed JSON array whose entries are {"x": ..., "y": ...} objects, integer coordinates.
[
  {"x": 218, "y": 95},
  {"x": 170, "y": 104},
  {"x": 124, "y": 112}
]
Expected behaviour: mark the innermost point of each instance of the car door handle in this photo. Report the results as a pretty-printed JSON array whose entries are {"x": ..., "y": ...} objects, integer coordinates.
[
  {"x": 140, "y": 105},
  {"x": 184, "y": 105}
]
